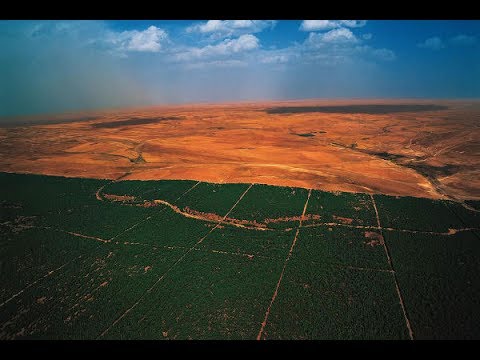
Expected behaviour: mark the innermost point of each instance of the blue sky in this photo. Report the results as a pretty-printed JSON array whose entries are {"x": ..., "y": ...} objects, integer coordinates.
[{"x": 57, "y": 66}]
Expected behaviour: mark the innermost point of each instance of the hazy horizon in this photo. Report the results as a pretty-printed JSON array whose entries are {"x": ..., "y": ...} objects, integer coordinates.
[{"x": 367, "y": 100}]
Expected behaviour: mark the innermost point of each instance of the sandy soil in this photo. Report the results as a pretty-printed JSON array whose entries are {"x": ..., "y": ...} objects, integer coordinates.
[{"x": 433, "y": 153}]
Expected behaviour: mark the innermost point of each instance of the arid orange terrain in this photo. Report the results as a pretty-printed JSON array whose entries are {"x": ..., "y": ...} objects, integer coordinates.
[{"x": 402, "y": 147}]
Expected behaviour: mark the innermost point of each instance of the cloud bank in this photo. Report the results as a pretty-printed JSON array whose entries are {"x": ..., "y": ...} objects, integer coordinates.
[
  {"x": 433, "y": 43},
  {"x": 316, "y": 25},
  {"x": 149, "y": 40},
  {"x": 217, "y": 29}
]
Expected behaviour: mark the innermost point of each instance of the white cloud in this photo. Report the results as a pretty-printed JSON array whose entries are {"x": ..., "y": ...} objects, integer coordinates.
[
  {"x": 339, "y": 46},
  {"x": 353, "y": 23},
  {"x": 384, "y": 54},
  {"x": 226, "y": 47},
  {"x": 312, "y": 25},
  {"x": 209, "y": 26},
  {"x": 463, "y": 40},
  {"x": 321, "y": 25},
  {"x": 367, "y": 36},
  {"x": 341, "y": 35},
  {"x": 225, "y": 28},
  {"x": 335, "y": 46},
  {"x": 433, "y": 43},
  {"x": 149, "y": 40}
]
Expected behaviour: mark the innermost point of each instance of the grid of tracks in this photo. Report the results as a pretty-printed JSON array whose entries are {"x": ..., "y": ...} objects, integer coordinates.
[{"x": 162, "y": 275}]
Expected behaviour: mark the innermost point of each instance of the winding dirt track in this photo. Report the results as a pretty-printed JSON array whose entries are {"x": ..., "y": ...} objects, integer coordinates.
[
  {"x": 433, "y": 153},
  {"x": 260, "y": 225}
]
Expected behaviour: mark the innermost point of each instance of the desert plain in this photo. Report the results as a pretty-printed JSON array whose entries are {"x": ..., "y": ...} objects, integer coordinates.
[{"x": 421, "y": 148}]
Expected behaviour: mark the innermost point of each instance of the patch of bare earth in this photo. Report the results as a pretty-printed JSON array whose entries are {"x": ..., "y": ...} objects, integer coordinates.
[
  {"x": 343, "y": 220},
  {"x": 123, "y": 198},
  {"x": 373, "y": 238}
]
